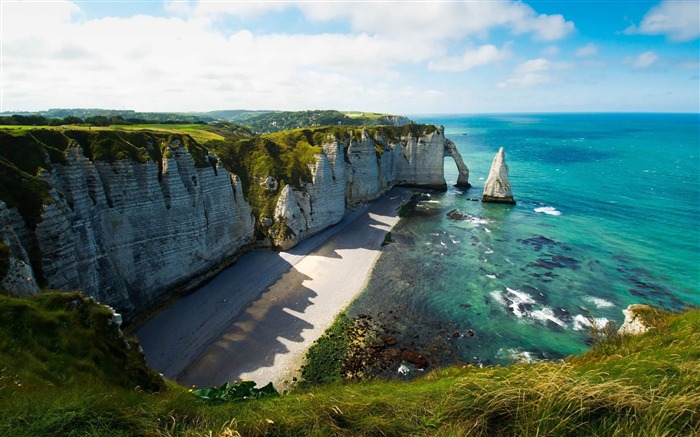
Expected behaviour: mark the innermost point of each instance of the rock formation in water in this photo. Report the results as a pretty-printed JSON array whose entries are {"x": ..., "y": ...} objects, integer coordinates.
[
  {"x": 463, "y": 177},
  {"x": 497, "y": 186},
  {"x": 131, "y": 230}
]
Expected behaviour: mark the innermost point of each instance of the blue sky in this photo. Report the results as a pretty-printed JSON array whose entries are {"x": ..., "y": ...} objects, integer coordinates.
[{"x": 397, "y": 57}]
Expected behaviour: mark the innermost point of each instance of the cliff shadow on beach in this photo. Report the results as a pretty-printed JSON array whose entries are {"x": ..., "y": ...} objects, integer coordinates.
[{"x": 257, "y": 336}]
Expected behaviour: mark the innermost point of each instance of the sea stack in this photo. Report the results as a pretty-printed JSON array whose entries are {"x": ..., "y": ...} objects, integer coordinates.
[{"x": 497, "y": 186}]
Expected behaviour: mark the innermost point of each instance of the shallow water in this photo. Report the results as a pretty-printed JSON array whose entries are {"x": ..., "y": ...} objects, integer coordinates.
[{"x": 608, "y": 214}]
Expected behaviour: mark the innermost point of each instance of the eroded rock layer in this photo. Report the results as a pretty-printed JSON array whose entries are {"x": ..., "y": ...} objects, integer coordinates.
[
  {"x": 497, "y": 186},
  {"x": 128, "y": 233},
  {"x": 357, "y": 169},
  {"x": 143, "y": 222}
]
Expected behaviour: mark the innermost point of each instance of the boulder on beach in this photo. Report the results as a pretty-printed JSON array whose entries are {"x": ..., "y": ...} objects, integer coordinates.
[{"x": 497, "y": 186}]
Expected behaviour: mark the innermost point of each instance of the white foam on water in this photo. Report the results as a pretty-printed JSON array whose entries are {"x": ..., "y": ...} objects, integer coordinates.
[
  {"x": 487, "y": 230},
  {"x": 488, "y": 251},
  {"x": 518, "y": 298},
  {"x": 582, "y": 322},
  {"x": 546, "y": 314},
  {"x": 497, "y": 295},
  {"x": 478, "y": 221},
  {"x": 517, "y": 355},
  {"x": 549, "y": 210},
  {"x": 598, "y": 302}
]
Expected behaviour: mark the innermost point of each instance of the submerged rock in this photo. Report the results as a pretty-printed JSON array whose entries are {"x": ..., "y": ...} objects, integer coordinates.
[{"x": 497, "y": 186}]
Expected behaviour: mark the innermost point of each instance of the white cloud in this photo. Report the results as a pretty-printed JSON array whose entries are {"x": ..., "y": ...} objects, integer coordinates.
[
  {"x": 484, "y": 55},
  {"x": 551, "y": 51},
  {"x": 535, "y": 72},
  {"x": 677, "y": 20},
  {"x": 644, "y": 60},
  {"x": 171, "y": 64},
  {"x": 409, "y": 20},
  {"x": 528, "y": 74},
  {"x": 587, "y": 50}
]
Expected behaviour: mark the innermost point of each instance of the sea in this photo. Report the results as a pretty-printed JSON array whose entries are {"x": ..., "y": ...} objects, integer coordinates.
[{"x": 607, "y": 215}]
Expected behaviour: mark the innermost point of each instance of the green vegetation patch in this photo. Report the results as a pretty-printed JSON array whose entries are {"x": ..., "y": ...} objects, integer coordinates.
[
  {"x": 326, "y": 357},
  {"x": 268, "y": 122},
  {"x": 574, "y": 397},
  {"x": 63, "y": 339},
  {"x": 236, "y": 391}
]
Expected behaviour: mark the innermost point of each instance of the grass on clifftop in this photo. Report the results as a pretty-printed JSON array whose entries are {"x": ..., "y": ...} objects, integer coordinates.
[{"x": 57, "y": 379}]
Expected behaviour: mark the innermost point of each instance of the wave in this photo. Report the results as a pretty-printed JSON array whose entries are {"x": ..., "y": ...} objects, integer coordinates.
[
  {"x": 598, "y": 302},
  {"x": 582, "y": 322},
  {"x": 549, "y": 210},
  {"x": 517, "y": 355},
  {"x": 547, "y": 314}
]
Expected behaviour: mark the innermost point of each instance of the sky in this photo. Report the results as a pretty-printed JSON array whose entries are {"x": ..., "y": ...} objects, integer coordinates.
[{"x": 413, "y": 57}]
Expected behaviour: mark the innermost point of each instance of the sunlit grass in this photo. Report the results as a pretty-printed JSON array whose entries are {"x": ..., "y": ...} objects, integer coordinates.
[{"x": 643, "y": 386}]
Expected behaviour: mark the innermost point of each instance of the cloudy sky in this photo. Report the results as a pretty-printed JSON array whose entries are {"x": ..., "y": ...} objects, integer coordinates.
[{"x": 398, "y": 57}]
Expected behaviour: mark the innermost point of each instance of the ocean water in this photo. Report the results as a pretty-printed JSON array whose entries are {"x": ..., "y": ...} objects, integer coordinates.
[{"x": 608, "y": 214}]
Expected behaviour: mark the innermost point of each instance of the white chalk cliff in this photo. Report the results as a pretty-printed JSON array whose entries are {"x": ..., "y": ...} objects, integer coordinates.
[
  {"x": 358, "y": 169},
  {"x": 132, "y": 234},
  {"x": 497, "y": 186},
  {"x": 128, "y": 234}
]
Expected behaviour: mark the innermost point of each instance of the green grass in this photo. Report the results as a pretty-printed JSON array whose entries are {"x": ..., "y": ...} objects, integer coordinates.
[{"x": 640, "y": 386}]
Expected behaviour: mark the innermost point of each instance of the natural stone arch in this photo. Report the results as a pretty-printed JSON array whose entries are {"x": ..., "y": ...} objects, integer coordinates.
[{"x": 463, "y": 178}]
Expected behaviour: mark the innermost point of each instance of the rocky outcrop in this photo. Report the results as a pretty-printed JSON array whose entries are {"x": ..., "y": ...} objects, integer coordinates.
[
  {"x": 18, "y": 274},
  {"x": 131, "y": 234},
  {"x": 463, "y": 176},
  {"x": 497, "y": 186},
  {"x": 357, "y": 169},
  {"x": 633, "y": 324}
]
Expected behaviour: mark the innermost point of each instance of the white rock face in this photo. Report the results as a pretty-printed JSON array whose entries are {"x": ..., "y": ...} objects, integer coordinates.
[
  {"x": 632, "y": 324},
  {"x": 130, "y": 235},
  {"x": 356, "y": 170},
  {"x": 497, "y": 186},
  {"x": 463, "y": 177}
]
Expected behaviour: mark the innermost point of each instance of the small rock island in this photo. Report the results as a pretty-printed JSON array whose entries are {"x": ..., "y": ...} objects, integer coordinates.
[{"x": 497, "y": 186}]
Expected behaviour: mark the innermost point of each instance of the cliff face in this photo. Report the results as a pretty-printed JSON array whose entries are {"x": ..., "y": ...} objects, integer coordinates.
[
  {"x": 129, "y": 234},
  {"x": 357, "y": 169}
]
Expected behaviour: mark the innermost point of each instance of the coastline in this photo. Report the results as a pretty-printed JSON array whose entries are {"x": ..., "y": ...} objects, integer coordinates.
[{"x": 256, "y": 319}]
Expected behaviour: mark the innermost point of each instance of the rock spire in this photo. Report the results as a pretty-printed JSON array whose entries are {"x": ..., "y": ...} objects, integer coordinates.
[{"x": 497, "y": 186}]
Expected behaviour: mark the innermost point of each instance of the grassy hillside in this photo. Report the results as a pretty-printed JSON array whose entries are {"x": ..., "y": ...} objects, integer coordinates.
[{"x": 63, "y": 373}]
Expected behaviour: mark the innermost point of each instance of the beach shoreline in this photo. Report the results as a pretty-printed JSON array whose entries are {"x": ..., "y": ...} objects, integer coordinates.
[{"x": 256, "y": 319}]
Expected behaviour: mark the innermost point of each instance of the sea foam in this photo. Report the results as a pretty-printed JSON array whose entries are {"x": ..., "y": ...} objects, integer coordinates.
[
  {"x": 598, "y": 302},
  {"x": 549, "y": 210}
]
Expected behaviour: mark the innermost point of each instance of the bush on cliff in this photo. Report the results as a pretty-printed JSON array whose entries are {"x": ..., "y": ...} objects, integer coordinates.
[{"x": 56, "y": 379}]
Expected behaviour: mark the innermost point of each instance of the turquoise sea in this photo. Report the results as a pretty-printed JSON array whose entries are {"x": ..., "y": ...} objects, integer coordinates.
[{"x": 607, "y": 214}]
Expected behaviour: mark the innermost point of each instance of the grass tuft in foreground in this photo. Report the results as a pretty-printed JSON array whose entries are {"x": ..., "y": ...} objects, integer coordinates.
[{"x": 647, "y": 385}]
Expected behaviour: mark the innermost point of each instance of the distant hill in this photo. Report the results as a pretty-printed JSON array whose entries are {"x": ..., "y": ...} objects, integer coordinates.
[{"x": 259, "y": 121}]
